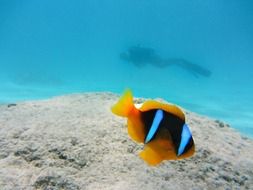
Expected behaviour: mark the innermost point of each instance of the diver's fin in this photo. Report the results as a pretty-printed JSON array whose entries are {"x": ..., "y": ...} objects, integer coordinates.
[
  {"x": 125, "y": 104},
  {"x": 195, "y": 69}
]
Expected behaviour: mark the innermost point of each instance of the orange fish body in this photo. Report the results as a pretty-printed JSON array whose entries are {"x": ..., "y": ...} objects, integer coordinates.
[{"x": 161, "y": 127}]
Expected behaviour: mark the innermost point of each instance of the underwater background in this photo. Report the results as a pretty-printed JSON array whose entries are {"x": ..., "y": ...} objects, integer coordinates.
[{"x": 50, "y": 48}]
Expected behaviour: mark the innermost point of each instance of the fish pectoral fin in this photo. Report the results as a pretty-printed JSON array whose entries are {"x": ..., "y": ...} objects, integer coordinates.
[{"x": 157, "y": 151}]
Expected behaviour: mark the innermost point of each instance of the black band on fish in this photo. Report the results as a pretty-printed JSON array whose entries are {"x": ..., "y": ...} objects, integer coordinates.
[
  {"x": 185, "y": 138},
  {"x": 155, "y": 124}
]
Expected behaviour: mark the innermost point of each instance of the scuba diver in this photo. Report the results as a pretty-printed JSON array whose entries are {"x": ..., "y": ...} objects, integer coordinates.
[{"x": 141, "y": 56}]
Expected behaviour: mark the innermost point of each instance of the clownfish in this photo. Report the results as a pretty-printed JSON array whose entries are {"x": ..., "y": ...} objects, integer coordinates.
[{"x": 161, "y": 127}]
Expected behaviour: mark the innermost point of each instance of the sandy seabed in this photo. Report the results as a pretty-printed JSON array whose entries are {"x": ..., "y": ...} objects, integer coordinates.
[{"x": 75, "y": 142}]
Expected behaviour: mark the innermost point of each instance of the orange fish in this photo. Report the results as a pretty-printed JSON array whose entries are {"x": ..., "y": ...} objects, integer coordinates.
[{"x": 161, "y": 127}]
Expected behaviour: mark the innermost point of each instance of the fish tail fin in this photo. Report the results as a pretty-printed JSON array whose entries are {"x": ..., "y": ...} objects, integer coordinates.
[{"x": 125, "y": 104}]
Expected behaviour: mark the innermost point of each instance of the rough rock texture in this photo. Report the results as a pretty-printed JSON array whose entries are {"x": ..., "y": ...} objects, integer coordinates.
[{"x": 75, "y": 142}]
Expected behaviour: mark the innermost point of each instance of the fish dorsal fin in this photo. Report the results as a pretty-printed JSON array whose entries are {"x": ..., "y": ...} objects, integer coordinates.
[{"x": 173, "y": 109}]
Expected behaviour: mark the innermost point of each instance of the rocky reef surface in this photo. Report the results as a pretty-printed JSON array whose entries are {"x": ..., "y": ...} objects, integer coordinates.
[{"x": 74, "y": 142}]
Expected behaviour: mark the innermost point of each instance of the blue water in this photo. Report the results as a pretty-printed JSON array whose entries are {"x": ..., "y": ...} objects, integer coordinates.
[{"x": 50, "y": 48}]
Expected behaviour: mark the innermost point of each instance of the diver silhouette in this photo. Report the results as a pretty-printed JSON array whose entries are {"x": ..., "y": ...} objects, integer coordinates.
[{"x": 141, "y": 56}]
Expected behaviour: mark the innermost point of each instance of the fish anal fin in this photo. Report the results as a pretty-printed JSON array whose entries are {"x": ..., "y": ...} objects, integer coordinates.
[
  {"x": 150, "y": 156},
  {"x": 158, "y": 150}
]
